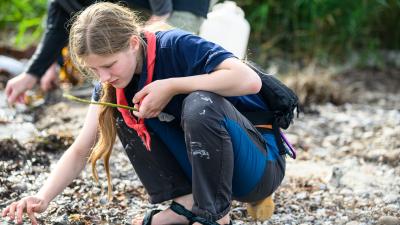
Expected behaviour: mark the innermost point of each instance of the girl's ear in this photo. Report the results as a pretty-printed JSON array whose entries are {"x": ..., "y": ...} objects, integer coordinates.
[{"x": 134, "y": 42}]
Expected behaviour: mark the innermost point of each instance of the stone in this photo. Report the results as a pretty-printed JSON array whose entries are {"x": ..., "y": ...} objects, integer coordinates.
[
  {"x": 388, "y": 220},
  {"x": 352, "y": 223}
]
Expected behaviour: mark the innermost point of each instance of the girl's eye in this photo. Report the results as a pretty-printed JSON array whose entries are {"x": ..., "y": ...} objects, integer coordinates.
[{"x": 108, "y": 66}]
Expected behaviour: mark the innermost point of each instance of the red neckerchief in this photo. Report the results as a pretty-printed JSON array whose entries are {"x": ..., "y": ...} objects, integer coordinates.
[{"x": 130, "y": 120}]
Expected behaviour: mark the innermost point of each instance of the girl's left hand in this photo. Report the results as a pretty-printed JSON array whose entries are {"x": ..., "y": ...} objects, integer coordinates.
[{"x": 155, "y": 96}]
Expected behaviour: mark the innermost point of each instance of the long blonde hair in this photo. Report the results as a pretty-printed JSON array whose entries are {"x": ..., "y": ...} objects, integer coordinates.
[{"x": 102, "y": 29}]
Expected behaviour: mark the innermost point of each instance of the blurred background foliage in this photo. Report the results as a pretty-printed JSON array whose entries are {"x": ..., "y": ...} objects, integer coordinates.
[
  {"x": 300, "y": 30},
  {"x": 323, "y": 29},
  {"x": 21, "y": 21}
]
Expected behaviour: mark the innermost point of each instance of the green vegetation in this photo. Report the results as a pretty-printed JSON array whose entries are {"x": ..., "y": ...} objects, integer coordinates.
[
  {"x": 323, "y": 29},
  {"x": 300, "y": 30},
  {"x": 109, "y": 104},
  {"x": 22, "y": 20}
]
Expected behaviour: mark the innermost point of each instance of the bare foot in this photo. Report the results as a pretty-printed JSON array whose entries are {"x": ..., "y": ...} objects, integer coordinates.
[{"x": 168, "y": 216}]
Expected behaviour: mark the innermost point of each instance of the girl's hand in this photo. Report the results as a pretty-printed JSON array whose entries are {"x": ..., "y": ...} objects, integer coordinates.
[
  {"x": 155, "y": 96},
  {"x": 29, "y": 205}
]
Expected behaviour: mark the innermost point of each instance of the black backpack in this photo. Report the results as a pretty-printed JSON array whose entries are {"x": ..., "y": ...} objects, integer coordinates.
[{"x": 282, "y": 103}]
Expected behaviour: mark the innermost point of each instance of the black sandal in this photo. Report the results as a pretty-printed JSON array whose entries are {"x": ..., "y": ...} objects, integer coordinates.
[
  {"x": 181, "y": 210},
  {"x": 149, "y": 216}
]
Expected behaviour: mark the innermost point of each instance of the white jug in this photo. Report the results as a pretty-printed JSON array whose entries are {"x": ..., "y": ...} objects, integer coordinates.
[{"x": 225, "y": 25}]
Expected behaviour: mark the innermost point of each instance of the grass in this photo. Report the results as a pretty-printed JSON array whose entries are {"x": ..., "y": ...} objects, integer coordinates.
[
  {"x": 324, "y": 29},
  {"x": 22, "y": 22},
  {"x": 109, "y": 104}
]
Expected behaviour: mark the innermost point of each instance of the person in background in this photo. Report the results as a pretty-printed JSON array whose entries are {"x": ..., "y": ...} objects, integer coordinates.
[
  {"x": 188, "y": 141},
  {"x": 42, "y": 67}
]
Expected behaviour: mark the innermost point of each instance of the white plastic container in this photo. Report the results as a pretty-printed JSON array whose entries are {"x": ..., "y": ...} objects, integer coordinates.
[
  {"x": 11, "y": 65},
  {"x": 225, "y": 25}
]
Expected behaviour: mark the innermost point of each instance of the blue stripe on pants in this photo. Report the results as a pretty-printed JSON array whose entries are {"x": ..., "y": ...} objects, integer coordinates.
[{"x": 249, "y": 162}]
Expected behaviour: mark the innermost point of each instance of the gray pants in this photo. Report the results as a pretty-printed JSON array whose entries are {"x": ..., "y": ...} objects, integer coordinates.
[{"x": 186, "y": 21}]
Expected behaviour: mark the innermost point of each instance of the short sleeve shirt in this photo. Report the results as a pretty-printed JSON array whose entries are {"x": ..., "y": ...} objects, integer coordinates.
[{"x": 181, "y": 54}]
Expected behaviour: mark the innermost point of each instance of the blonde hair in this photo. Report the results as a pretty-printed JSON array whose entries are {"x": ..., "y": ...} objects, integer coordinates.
[{"x": 102, "y": 29}]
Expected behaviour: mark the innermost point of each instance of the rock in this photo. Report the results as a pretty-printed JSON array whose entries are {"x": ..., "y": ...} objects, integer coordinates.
[
  {"x": 20, "y": 187},
  {"x": 103, "y": 200},
  {"x": 392, "y": 158},
  {"x": 357, "y": 146},
  {"x": 388, "y": 220},
  {"x": 301, "y": 195},
  {"x": 337, "y": 174},
  {"x": 392, "y": 208},
  {"x": 391, "y": 198},
  {"x": 61, "y": 220},
  {"x": 352, "y": 223}
]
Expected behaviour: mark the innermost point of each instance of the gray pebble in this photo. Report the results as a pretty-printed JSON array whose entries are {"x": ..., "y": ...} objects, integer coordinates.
[{"x": 389, "y": 220}]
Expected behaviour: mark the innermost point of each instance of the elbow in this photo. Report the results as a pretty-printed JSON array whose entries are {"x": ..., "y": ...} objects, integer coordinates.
[
  {"x": 254, "y": 85},
  {"x": 258, "y": 85}
]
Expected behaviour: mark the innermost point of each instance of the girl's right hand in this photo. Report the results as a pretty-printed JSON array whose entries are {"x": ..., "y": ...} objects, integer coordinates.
[{"x": 30, "y": 205}]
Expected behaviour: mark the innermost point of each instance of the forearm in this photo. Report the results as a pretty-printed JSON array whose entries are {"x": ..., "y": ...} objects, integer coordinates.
[
  {"x": 67, "y": 169},
  {"x": 231, "y": 80},
  {"x": 45, "y": 55},
  {"x": 74, "y": 159},
  {"x": 53, "y": 40}
]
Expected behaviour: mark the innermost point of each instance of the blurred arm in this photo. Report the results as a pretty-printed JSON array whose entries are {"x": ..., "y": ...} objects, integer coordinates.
[{"x": 54, "y": 39}]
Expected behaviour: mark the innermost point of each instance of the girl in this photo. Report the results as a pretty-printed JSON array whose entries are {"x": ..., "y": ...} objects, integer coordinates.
[{"x": 188, "y": 141}]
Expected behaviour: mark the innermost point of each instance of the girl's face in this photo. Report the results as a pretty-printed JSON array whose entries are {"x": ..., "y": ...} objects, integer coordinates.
[{"x": 118, "y": 68}]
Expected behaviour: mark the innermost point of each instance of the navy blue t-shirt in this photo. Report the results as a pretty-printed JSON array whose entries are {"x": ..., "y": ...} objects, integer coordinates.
[{"x": 181, "y": 54}]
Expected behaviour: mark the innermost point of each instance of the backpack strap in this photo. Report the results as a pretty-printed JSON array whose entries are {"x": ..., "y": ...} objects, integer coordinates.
[
  {"x": 262, "y": 118},
  {"x": 138, "y": 124}
]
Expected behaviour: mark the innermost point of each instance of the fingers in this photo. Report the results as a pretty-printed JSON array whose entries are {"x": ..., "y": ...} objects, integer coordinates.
[
  {"x": 33, "y": 219},
  {"x": 143, "y": 113},
  {"x": 5, "y": 211},
  {"x": 30, "y": 211},
  {"x": 138, "y": 113},
  {"x": 47, "y": 85},
  {"x": 8, "y": 90},
  {"x": 21, "y": 99},
  {"x": 12, "y": 96},
  {"x": 16, "y": 211},
  {"x": 50, "y": 79},
  {"x": 11, "y": 212},
  {"x": 20, "y": 211},
  {"x": 136, "y": 100},
  {"x": 140, "y": 95}
]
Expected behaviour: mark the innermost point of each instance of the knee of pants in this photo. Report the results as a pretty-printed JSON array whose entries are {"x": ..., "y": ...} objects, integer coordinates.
[{"x": 201, "y": 107}]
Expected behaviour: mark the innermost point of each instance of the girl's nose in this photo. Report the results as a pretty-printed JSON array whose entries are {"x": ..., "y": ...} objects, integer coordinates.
[{"x": 104, "y": 75}]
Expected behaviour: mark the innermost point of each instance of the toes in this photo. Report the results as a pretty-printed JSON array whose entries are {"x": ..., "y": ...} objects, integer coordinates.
[{"x": 137, "y": 221}]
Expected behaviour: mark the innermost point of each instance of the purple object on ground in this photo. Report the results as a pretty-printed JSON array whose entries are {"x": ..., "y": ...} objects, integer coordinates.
[{"x": 291, "y": 148}]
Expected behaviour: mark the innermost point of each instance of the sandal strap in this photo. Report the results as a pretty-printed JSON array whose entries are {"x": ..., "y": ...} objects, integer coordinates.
[
  {"x": 149, "y": 216},
  {"x": 192, "y": 222},
  {"x": 181, "y": 210}
]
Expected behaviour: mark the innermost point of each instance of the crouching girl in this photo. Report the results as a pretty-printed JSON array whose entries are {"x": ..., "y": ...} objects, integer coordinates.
[{"x": 188, "y": 141}]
